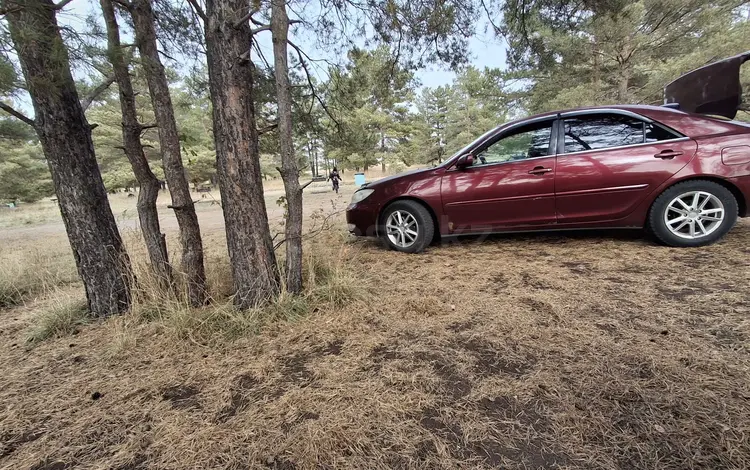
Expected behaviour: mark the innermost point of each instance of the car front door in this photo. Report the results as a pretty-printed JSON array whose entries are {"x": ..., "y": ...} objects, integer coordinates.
[
  {"x": 510, "y": 183},
  {"x": 608, "y": 162}
]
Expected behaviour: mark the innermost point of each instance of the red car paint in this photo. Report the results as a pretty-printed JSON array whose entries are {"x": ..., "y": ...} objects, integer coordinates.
[{"x": 604, "y": 188}]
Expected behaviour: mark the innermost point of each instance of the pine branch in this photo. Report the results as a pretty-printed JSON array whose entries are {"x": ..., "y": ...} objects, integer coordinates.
[
  {"x": 265, "y": 27},
  {"x": 302, "y": 62},
  {"x": 61, "y": 5},
  {"x": 9, "y": 9},
  {"x": 87, "y": 100},
  {"x": 268, "y": 128},
  {"x": 245, "y": 18},
  {"x": 17, "y": 114},
  {"x": 198, "y": 10}
]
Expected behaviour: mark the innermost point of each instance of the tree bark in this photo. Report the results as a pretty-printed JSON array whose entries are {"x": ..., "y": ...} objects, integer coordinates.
[
  {"x": 382, "y": 151},
  {"x": 623, "y": 83},
  {"x": 65, "y": 136},
  {"x": 289, "y": 170},
  {"x": 624, "y": 75},
  {"x": 131, "y": 137},
  {"x": 313, "y": 166},
  {"x": 169, "y": 141},
  {"x": 254, "y": 271}
]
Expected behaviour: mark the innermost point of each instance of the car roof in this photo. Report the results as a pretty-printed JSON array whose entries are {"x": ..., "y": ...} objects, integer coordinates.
[
  {"x": 642, "y": 109},
  {"x": 688, "y": 124}
]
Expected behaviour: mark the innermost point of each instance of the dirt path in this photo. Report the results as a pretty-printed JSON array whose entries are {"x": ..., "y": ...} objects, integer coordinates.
[{"x": 209, "y": 215}]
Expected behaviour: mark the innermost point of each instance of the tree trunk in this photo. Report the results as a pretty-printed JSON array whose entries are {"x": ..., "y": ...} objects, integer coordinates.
[
  {"x": 169, "y": 142},
  {"x": 315, "y": 157},
  {"x": 289, "y": 170},
  {"x": 254, "y": 270},
  {"x": 382, "y": 151},
  {"x": 65, "y": 136},
  {"x": 131, "y": 138},
  {"x": 313, "y": 171},
  {"x": 623, "y": 84},
  {"x": 624, "y": 76}
]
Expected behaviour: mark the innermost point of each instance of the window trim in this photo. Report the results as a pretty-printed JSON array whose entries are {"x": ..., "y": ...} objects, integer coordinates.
[
  {"x": 677, "y": 136},
  {"x": 619, "y": 147}
]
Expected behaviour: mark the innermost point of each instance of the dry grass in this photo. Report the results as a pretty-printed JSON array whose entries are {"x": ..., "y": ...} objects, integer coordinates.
[
  {"x": 29, "y": 214},
  {"x": 550, "y": 351},
  {"x": 63, "y": 317},
  {"x": 28, "y": 271}
]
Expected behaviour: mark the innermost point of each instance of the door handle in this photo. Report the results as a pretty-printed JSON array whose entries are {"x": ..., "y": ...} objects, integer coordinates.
[
  {"x": 666, "y": 154},
  {"x": 539, "y": 170}
]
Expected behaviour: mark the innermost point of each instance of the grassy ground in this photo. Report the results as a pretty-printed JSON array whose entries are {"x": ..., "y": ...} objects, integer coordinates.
[{"x": 596, "y": 350}]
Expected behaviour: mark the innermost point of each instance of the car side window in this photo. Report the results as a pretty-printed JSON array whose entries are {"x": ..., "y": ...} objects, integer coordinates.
[
  {"x": 656, "y": 133},
  {"x": 529, "y": 141},
  {"x": 601, "y": 131}
]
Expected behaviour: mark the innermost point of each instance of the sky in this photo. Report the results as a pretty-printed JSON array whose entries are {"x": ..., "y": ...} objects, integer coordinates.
[{"x": 485, "y": 49}]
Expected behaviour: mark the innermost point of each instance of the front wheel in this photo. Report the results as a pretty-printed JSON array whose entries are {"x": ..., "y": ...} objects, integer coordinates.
[
  {"x": 693, "y": 213},
  {"x": 407, "y": 226}
]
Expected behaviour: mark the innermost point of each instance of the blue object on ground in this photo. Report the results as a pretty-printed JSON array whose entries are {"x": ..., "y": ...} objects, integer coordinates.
[{"x": 359, "y": 179}]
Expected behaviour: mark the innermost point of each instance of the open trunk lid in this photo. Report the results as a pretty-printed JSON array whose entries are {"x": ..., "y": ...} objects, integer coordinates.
[{"x": 712, "y": 89}]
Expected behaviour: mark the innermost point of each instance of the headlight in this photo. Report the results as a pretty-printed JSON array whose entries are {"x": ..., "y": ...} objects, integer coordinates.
[{"x": 361, "y": 195}]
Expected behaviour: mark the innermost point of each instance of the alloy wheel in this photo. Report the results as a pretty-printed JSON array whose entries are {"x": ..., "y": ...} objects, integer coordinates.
[
  {"x": 693, "y": 215},
  {"x": 402, "y": 228}
]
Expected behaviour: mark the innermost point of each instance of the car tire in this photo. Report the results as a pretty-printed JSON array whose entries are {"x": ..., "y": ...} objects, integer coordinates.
[
  {"x": 693, "y": 213},
  {"x": 401, "y": 221}
]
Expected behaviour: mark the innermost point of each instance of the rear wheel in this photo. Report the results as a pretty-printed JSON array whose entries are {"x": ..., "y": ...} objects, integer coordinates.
[
  {"x": 407, "y": 226},
  {"x": 693, "y": 213}
]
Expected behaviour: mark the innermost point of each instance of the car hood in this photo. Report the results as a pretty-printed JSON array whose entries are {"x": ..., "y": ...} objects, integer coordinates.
[
  {"x": 712, "y": 89},
  {"x": 397, "y": 176}
]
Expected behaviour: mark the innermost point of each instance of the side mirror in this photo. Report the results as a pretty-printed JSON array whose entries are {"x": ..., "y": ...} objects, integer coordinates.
[{"x": 464, "y": 161}]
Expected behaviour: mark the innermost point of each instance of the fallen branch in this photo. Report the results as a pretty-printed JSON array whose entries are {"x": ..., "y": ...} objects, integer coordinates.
[{"x": 323, "y": 226}]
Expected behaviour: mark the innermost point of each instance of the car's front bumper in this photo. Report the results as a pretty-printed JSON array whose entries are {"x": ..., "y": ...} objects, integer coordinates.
[{"x": 362, "y": 219}]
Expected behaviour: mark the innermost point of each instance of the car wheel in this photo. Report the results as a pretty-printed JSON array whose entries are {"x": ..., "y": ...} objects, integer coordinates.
[
  {"x": 407, "y": 226},
  {"x": 693, "y": 213}
]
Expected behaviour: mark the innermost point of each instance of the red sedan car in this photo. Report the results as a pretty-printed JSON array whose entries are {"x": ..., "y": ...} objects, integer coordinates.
[{"x": 673, "y": 169}]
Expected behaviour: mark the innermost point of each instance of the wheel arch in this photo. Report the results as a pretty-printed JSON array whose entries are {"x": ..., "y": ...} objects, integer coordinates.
[
  {"x": 741, "y": 202},
  {"x": 419, "y": 201}
]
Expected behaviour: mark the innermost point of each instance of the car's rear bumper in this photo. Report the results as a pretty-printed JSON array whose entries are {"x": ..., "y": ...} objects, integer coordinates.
[{"x": 361, "y": 220}]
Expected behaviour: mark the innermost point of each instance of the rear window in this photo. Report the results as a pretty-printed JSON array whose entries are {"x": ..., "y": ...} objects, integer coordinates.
[
  {"x": 602, "y": 131},
  {"x": 656, "y": 133}
]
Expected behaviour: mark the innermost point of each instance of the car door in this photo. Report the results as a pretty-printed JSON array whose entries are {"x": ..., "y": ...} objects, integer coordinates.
[
  {"x": 509, "y": 184},
  {"x": 608, "y": 162}
]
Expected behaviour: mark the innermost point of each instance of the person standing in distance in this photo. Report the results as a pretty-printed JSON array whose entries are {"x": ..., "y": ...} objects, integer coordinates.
[{"x": 334, "y": 177}]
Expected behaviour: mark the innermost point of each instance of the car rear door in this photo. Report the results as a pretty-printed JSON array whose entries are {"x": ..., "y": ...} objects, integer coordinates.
[
  {"x": 609, "y": 162},
  {"x": 510, "y": 184}
]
